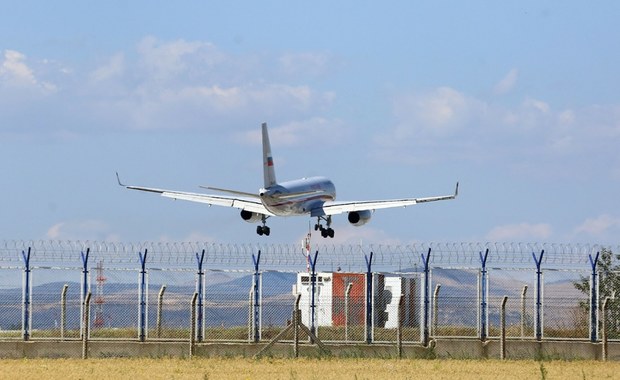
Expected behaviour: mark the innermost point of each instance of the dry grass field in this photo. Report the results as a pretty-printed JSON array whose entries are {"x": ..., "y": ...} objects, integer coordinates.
[{"x": 272, "y": 369}]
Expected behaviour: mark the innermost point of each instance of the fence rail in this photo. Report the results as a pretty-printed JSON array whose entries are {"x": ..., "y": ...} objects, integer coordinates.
[{"x": 349, "y": 293}]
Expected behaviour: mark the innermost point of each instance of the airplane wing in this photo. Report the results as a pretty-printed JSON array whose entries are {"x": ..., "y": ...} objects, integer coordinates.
[
  {"x": 333, "y": 208},
  {"x": 242, "y": 203}
]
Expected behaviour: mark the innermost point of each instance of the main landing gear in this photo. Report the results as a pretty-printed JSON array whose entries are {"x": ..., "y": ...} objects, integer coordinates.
[
  {"x": 263, "y": 230},
  {"x": 325, "y": 231}
]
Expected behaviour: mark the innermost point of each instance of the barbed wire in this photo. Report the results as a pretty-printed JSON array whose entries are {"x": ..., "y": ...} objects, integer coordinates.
[{"x": 292, "y": 257}]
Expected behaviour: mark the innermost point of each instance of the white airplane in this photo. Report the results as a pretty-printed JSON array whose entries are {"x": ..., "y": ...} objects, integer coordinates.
[{"x": 315, "y": 196}]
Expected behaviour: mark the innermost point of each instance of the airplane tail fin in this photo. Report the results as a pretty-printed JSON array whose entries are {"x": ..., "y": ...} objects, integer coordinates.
[{"x": 268, "y": 169}]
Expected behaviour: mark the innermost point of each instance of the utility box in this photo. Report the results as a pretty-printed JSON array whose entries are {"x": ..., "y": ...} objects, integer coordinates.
[
  {"x": 332, "y": 304},
  {"x": 355, "y": 303},
  {"x": 322, "y": 298},
  {"x": 394, "y": 287}
]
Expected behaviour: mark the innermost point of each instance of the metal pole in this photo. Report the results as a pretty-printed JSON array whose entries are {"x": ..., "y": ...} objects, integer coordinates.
[
  {"x": 484, "y": 317},
  {"x": 27, "y": 304},
  {"x": 85, "y": 280},
  {"x": 63, "y": 311},
  {"x": 435, "y": 309},
  {"x": 250, "y": 307},
  {"x": 142, "y": 297},
  {"x": 604, "y": 328},
  {"x": 347, "y": 293},
  {"x": 594, "y": 299},
  {"x": 313, "y": 291},
  {"x": 503, "y": 328},
  {"x": 200, "y": 290},
  {"x": 426, "y": 296},
  {"x": 257, "y": 297},
  {"x": 296, "y": 323},
  {"x": 523, "y": 294},
  {"x": 369, "y": 286},
  {"x": 399, "y": 326},
  {"x": 539, "y": 284},
  {"x": 192, "y": 325},
  {"x": 160, "y": 305},
  {"x": 86, "y": 326}
]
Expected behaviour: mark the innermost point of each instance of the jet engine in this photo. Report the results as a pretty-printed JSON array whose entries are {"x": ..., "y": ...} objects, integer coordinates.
[
  {"x": 359, "y": 218},
  {"x": 250, "y": 217}
]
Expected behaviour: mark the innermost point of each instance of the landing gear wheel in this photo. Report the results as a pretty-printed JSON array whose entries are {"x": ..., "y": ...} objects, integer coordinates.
[
  {"x": 263, "y": 230},
  {"x": 325, "y": 232}
]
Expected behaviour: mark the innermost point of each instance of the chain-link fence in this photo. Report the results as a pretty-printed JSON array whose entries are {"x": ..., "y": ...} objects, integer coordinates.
[{"x": 353, "y": 294}]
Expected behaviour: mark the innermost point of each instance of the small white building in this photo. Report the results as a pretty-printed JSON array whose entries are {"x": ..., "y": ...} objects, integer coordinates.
[
  {"x": 322, "y": 298},
  {"x": 330, "y": 299}
]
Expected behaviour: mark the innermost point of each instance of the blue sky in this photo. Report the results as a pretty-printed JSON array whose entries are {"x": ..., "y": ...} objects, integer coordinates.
[{"x": 518, "y": 101}]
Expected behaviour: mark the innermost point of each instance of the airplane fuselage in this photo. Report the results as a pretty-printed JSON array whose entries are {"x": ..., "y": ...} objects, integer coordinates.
[{"x": 298, "y": 197}]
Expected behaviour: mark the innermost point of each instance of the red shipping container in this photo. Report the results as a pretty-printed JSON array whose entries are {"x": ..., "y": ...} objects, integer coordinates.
[{"x": 356, "y": 298}]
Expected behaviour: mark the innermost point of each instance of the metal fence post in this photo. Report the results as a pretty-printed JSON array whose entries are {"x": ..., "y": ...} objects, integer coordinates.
[
  {"x": 256, "y": 310},
  {"x": 192, "y": 325},
  {"x": 86, "y": 326},
  {"x": 523, "y": 315},
  {"x": 425, "y": 298},
  {"x": 85, "y": 282},
  {"x": 296, "y": 323},
  {"x": 313, "y": 295},
  {"x": 593, "y": 298},
  {"x": 160, "y": 305},
  {"x": 503, "y": 329},
  {"x": 484, "y": 284},
  {"x": 399, "y": 326},
  {"x": 27, "y": 297},
  {"x": 435, "y": 309},
  {"x": 200, "y": 282},
  {"x": 539, "y": 317},
  {"x": 369, "y": 306},
  {"x": 347, "y": 294},
  {"x": 250, "y": 313},
  {"x": 63, "y": 310},
  {"x": 142, "y": 297},
  {"x": 604, "y": 352}
]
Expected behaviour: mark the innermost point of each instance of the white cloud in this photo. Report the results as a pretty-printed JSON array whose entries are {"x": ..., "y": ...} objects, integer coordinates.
[
  {"x": 16, "y": 74},
  {"x": 202, "y": 106},
  {"x": 445, "y": 124},
  {"x": 15, "y": 70},
  {"x": 192, "y": 84},
  {"x": 507, "y": 83},
  {"x": 537, "y": 105},
  {"x": 163, "y": 60},
  {"x": 566, "y": 117},
  {"x": 114, "y": 68},
  {"x": 599, "y": 226},
  {"x": 81, "y": 230},
  {"x": 307, "y": 132},
  {"x": 522, "y": 231},
  {"x": 441, "y": 112},
  {"x": 305, "y": 63}
]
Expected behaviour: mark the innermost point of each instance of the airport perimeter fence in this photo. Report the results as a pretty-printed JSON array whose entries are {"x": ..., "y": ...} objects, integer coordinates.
[{"x": 349, "y": 294}]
